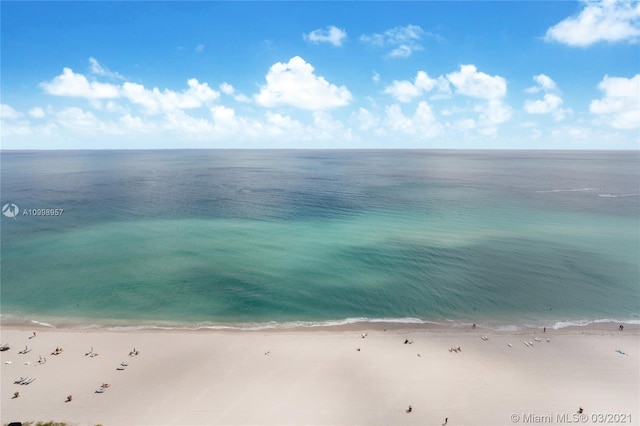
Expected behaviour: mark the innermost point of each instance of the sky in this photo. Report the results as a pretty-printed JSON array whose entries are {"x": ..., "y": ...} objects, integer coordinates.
[{"x": 320, "y": 75}]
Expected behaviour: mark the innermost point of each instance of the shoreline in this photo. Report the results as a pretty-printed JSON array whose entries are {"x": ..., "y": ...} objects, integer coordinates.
[
  {"x": 498, "y": 326},
  {"x": 319, "y": 376}
]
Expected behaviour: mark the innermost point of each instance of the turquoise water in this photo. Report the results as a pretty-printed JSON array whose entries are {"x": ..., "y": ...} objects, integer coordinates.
[{"x": 190, "y": 238}]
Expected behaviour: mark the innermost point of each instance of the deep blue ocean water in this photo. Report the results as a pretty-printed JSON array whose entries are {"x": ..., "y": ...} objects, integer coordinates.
[{"x": 217, "y": 237}]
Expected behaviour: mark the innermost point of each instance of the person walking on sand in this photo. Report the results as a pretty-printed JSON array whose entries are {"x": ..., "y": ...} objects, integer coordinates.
[{"x": 621, "y": 327}]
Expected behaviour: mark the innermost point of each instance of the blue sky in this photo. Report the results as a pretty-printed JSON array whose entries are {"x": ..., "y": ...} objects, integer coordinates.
[{"x": 469, "y": 75}]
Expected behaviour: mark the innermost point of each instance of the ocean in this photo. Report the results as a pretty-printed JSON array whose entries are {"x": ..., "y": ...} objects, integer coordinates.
[{"x": 275, "y": 238}]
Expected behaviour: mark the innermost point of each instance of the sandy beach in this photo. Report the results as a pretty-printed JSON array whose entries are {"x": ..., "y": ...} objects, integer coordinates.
[{"x": 323, "y": 376}]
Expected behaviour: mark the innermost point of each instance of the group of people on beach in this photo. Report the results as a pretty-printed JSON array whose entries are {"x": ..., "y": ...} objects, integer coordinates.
[{"x": 58, "y": 350}]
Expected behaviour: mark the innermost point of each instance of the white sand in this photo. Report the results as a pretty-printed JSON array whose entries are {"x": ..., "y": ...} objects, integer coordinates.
[{"x": 317, "y": 377}]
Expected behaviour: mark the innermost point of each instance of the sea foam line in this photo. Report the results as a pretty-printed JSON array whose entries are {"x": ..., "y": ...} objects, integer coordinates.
[
  {"x": 617, "y": 195},
  {"x": 583, "y": 323},
  {"x": 42, "y": 324},
  {"x": 271, "y": 325},
  {"x": 274, "y": 325},
  {"x": 567, "y": 190}
]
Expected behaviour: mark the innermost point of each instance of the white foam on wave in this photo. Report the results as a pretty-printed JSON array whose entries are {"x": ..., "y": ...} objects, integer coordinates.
[
  {"x": 515, "y": 327},
  {"x": 269, "y": 325},
  {"x": 618, "y": 195},
  {"x": 566, "y": 190},
  {"x": 86, "y": 327},
  {"x": 582, "y": 323},
  {"x": 311, "y": 324},
  {"x": 22, "y": 321},
  {"x": 145, "y": 327},
  {"x": 42, "y": 324}
]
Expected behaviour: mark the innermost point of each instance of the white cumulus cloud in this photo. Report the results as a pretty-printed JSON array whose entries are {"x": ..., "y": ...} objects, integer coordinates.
[
  {"x": 608, "y": 20},
  {"x": 76, "y": 118},
  {"x": 326, "y": 128},
  {"x": 551, "y": 101},
  {"x": 224, "y": 119},
  {"x": 546, "y": 105},
  {"x": 181, "y": 122},
  {"x": 226, "y": 88},
  {"x": 8, "y": 113},
  {"x": 366, "y": 120},
  {"x": 406, "y": 91},
  {"x": 294, "y": 83},
  {"x": 422, "y": 124},
  {"x": 471, "y": 82},
  {"x": 494, "y": 112},
  {"x": 136, "y": 124},
  {"x": 77, "y": 85},
  {"x": 279, "y": 125},
  {"x": 330, "y": 34},
  {"x": 155, "y": 101},
  {"x": 37, "y": 112},
  {"x": 543, "y": 83},
  {"x": 621, "y": 102}
]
